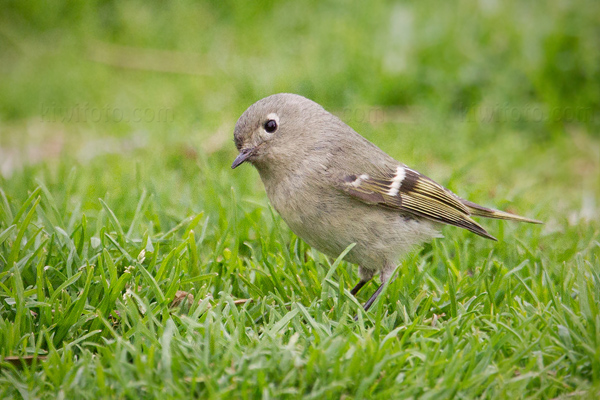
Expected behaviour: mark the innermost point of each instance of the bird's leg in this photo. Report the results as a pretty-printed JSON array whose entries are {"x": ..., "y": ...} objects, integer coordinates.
[
  {"x": 358, "y": 286},
  {"x": 386, "y": 273},
  {"x": 365, "y": 276},
  {"x": 372, "y": 299}
]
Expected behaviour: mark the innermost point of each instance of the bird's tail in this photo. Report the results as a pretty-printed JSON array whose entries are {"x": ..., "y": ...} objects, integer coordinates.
[{"x": 479, "y": 211}]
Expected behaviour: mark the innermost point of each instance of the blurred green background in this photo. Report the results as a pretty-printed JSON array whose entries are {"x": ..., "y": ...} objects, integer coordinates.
[
  {"x": 160, "y": 84},
  {"x": 134, "y": 102}
]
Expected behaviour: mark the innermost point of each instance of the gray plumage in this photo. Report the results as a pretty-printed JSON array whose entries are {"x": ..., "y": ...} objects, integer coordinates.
[{"x": 333, "y": 187}]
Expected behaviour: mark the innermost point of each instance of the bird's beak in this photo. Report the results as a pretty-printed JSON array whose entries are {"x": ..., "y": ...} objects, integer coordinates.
[{"x": 242, "y": 157}]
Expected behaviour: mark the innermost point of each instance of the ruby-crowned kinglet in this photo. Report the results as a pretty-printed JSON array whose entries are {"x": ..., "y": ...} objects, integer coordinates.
[{"x": 334, "y": 188}]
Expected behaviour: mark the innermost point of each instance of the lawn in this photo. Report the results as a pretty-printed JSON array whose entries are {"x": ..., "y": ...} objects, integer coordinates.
[{"x": 134, "y": 263}]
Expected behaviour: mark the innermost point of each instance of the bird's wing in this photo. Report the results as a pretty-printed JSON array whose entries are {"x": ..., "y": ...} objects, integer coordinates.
[
  {"x": 481, "y": 211},
  {"x": 408, "y": 191}
]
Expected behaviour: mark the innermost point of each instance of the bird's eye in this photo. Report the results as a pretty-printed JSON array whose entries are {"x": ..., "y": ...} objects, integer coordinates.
[{"x": 271, "y": 126}]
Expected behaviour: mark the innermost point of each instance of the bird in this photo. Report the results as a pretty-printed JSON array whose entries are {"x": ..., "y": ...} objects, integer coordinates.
[{"x": 334, "y": 188}]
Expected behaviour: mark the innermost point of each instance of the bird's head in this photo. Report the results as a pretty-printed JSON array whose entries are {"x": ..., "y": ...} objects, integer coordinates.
[{"x": 277, "y": 129}]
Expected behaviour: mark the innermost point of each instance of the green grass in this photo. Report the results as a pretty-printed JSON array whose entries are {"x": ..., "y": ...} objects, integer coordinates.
[{"x": 107, "y": 224}]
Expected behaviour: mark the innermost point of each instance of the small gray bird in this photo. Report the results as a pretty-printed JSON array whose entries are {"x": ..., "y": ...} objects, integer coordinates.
[{"x": 334, "y": 188}]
